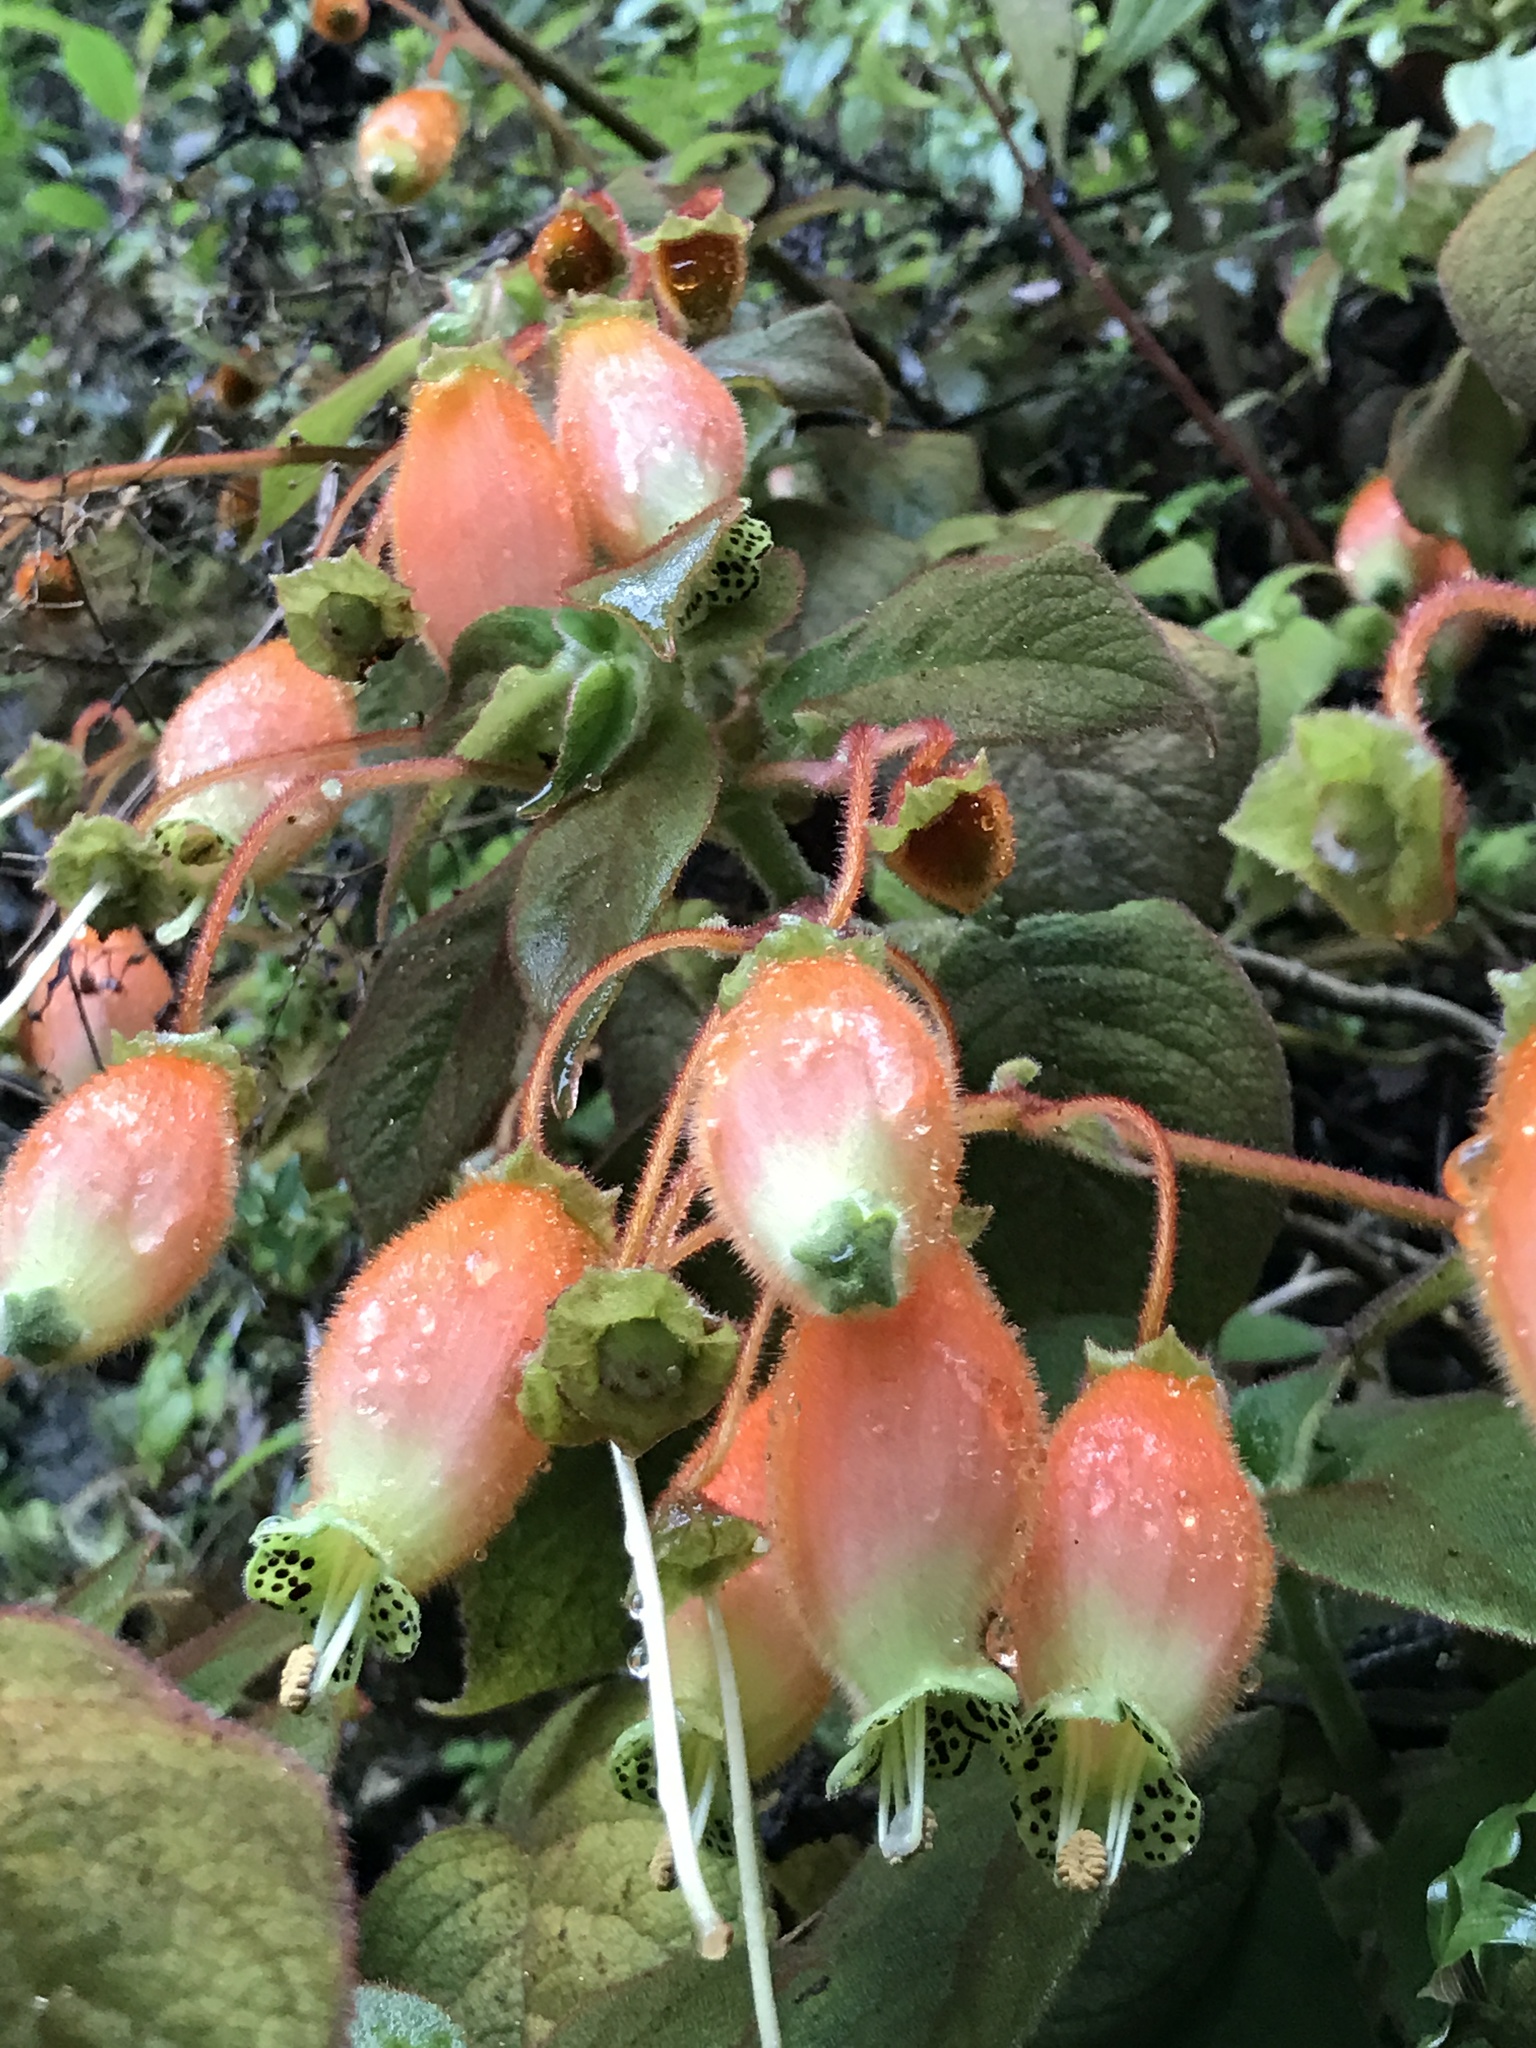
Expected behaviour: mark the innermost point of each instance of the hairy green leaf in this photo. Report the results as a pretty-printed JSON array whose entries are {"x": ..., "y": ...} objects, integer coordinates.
[
  {"x": 809, "y": 360},
  {"x": 126, "y": 1916},
  {"x": 1488, "y": 275}
]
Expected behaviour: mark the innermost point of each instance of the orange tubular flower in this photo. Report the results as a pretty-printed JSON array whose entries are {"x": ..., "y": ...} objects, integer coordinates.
[
  {"x": 418, "y": 1453},
  {"x": 263, "y": 703},
  {"x": 482, "y": 510},
  {"x": 46, "y": 580},
  {"x": 1141, "y": 1600},
  {"x": 99, "y": 986},
  {"x": 339, "y": 21},
  {"x": 1385, "y": 560},
  {"x": 582, "y": 248},
  {"x": 114, "y": 1206},
  {"x": 407, "y": 143},
  {"x": 650, "y": 436},
  {"x": 824, "y": 1123},
  {"x": 1492, "y": 1178},
  {"x": 903, "y": 1472}
]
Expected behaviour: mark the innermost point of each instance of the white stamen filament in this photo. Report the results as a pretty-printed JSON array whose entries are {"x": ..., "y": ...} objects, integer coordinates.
[
  {"x": 902, "y": 1783},
  {"x": 744, "y": 1831},
  {"x": 21, "y": 799},
  {"x": 710, "y": 1932},
  {"x": 1123, "y": 1799},
  {"x": 345, "y": 1599},
  {"x": 1074, "y": 1782},
  {"x": 36, "y": 969}
]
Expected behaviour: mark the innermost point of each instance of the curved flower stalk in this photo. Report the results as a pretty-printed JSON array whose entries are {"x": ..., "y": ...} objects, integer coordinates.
[
  {"x": 482, "y": 508},
  {"x": 266, "y": 702},
  {"x": 824, "y": 1125},
  {"x": 99, "y": 987},
  {"x": 1139, "y": 1603},
  {"x": 114, "y": 1205},
  {"x": 904, "y": 1464},
  {"x": 418, "y": 1453},
  {"x": 649, "y": 435}
]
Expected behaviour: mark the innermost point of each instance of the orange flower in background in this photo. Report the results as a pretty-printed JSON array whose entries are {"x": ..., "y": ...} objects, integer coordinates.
[
  {"x": 1492, "y": 1179},
  {"x": 407, "y": 142},
  {"x": 47, "y": 580},
  {"x": 98, "y": 987},
  {"x": 339, "y": 21}
]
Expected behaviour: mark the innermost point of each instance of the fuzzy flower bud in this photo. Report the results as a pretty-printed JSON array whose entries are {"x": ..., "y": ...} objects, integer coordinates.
[
  {"x": 418, "y": 1453},
  {"x": 1140, "y": 1601},
  {"x": 100, "y": 986},
  {"x": 824, "y": 1122},
  {"x": 650, "y": 436},
  {"x": 482, "y": 510},
  {"x": 262, "y": 703},
  {"x": 407, "y": 143},
  {"x": 114, "y": 1206},
  {"x": 903, "y": 1467}
]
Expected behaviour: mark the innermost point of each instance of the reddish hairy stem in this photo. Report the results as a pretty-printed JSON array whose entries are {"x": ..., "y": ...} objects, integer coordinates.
[
  {"x": 926, "y": 988},
  {"x": 680, "y": 1250},
  {"x": 711, "y": 1453},
  {"x": 1303, "y": 536},
  {"x": 638, "y": 1226},
  {"x": 860, "y": 747},
  {"x": 687, "y": 1185},
  {"x": 536, "y": 1089},
  {"x": 1245, "y": 1162},
  {"x": 354, "y": 782},
  {"x": 1510, "y": 603},
  {"x": 1036, "y": 1115},
  {"x": 355, "y": 493},
  {"x": 272, "y": 764}
]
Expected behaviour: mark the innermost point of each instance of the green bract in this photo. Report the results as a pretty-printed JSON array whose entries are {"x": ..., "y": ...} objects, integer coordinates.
[{"x": 341, "y": 614}]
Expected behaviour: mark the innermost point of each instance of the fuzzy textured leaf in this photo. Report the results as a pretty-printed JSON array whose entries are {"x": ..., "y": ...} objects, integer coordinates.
[
  {"x": 809, "y": 360},
  {"x": 1139, "y": 1001},
  {"x": 1436, "y": 1512},
  {"x": 123, "y": 1915},
  {"x": 430, "y": 1056},
  {"x": 1488, "y": 275},
  {"x": 1048, "y": 652}
]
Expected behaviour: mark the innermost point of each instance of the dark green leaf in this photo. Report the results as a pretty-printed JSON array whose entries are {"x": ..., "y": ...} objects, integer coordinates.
[
  {"x": 1138, "y": 814},
  {"x": 103, "y": 1597},
  {"x": 429, "y": 1060},
  {"x": 1452, "y": 461},
  {"x": 1436, "y": 1513},
  {"x": 1488, "y": 275},
  {"x": 545, "y": 1607},
  {"x": 597, "y": 872},
  {"x": 1276, "y": 1424},
  {"x": 163, "y": 1877},
  {"x": 809, "y": 360},
  {"x": 1138, "y": 1002},
  {"x": 904, "y": 482},
  {"x": 850, "y": 564},
  {"x": 652, "y": 594},
  {"x": 1045, "y": 652},
  {"x": 1137, "y": 30}
]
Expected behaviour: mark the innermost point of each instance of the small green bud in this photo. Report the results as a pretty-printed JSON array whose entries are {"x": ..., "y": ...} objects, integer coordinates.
[
  {"x": 37, "y": 1327},
  {"x": 627, "y": 1356},
  {"x": 342, "y": 614},
  {"x": 145, "y": 885},
  {"x": 848, "y": 1256},
  {"x": 60, "y": 771}
]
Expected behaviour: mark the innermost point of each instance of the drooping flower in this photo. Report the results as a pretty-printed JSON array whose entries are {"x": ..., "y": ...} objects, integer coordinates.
[
  {"x": 261, "y": 704},
  {"x": 1139, "y": 1603},
  {"x": 1492, "y": 1179},
  {"x": 783, "y": 1688},
  {"x": 417, "y": 1451},
  {"x": 339, "y": 21},
  {"x": 407, "y": 142},
  {"x": 99, "y": 986},
  {"x": 114, "y": 1205},
  {"x": 482, "y": 509},
  {"x": 650, "y": 436},
  {"x": 583, "y": 247},
  {"x": 1383, "y": 558},
  {"x": 824, "y": 1123},
  {"x": 903, "y": 1468}
]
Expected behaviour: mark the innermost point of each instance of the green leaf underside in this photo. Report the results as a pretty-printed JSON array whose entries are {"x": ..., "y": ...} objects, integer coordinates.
[
  {"x": 124, "y": 1915},
  {"x": 1435, "y": 1512}
]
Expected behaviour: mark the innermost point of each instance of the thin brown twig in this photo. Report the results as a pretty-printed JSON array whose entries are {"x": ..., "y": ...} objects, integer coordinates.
[{"x": 1304, "y": 537}]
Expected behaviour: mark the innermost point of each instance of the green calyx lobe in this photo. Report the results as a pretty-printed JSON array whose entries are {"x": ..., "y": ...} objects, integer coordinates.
[
  {"x": 627, "y": 1357},
  {"x": 1166, "y": 1353},
  {"x": 847, "y": 1259},
  {"x": 37, "y": 1327},
  {"x": 342, "y": 614},
  {"x": 591, "y": 1207},
  {"x": 61, "y": 772},
  {"x": 699, "y": 1547},
  {"x": 145, "y": 886},
  {"x": 329, "y": 1572},
  {"x": 211, "y": 1047},
  {"x": 797, "y": 938},
  {"x": 632, "y": 1768},
  {"x": 441, "y": 363},
  {"x": 1517, "y": 998},
  {"x": 924, "y": 803}
]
